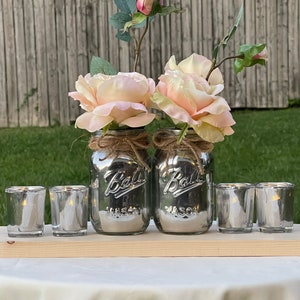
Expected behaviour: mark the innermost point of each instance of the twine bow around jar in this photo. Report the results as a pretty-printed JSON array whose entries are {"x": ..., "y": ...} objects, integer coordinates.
[
  {"x": 113, "y": 145},
  {"x": 167, "y": 141}
]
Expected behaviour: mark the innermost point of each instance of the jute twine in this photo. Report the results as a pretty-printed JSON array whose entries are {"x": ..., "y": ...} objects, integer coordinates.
[
  {"x": 113, "y": 145},
  {"x": 166, "y": 140}
]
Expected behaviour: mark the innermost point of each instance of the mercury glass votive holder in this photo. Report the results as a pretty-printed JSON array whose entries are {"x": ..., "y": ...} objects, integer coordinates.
[
  {"x": 69, "y": 210},
  {"x": 235, "y": 205},
  {"x": 275, "y": 206},
  {"x": 25, "y": 210}
]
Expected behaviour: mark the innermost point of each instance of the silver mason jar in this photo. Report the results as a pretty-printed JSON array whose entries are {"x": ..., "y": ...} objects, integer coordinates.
[
  {"x": 120, "y": 183},
  {"x": 182, "y": 184}
]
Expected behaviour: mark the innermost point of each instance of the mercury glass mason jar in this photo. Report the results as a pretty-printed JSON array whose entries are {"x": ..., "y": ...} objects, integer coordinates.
[
  {"x": 120, "y": 182},
  {"x": 183, "y": 183}
]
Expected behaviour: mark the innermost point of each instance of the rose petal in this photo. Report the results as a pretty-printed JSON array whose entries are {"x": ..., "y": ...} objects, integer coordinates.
[
  {"x": 177, "y": 113},
  {"x": 86, "y": 90},
  {"x": 209, "y": 133},
  {"x": 140, "y": 120},
  {"x": 92, "y": 122},
  {"x": 120, "y": 112},
  {"x": 123, "y": 88},
  {"x": 218, "y": 106},
  {"x": 222, "y": 120}
]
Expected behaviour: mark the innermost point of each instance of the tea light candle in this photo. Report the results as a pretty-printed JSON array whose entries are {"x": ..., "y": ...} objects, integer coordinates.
[
  {"x": 129, "y": 223},
  {"x": 176, "y": 224}
]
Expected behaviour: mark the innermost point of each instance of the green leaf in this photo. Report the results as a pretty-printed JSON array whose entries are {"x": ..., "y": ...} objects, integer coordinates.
[
  {"x": 167, "y": 10},
  {"x": 137, "y": 18},
  {"x": 156, "y": 8},
  {"x": 100, "y": 65},
  {"x": 131, "y": 5},
  {"x": 123, "y": 36},
  {"x": 248, "y": 59},
  {"x": 238, "y": 65},
  {"x": 118, "y": 20},
  {"x": 123, "y": 5},
  {"x": 225, "y": 40}
]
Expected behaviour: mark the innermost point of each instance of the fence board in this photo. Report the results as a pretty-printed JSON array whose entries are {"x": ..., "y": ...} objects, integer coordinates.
[
  {"x": 10, "y": 58},
  {"x": 46, "y": 44},
  {"x": 293, "y": 46},
  {"x": 41, "y": 58},
  {"x": 71, "y": 49},
  {"x": 3, "y": 103},
  {"x": 30, "y": 66},
  {"x": 52, "y": 59}
]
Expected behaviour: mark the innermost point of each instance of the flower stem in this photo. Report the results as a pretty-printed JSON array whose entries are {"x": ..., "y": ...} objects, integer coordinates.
[
  {"x": 138, "y": 47},
  {"x": 214, "y": 64}
]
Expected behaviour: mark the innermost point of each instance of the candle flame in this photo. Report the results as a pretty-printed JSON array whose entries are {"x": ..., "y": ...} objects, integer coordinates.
[
  {"x": 234, "y": 200},
  {"x": 275, "y": 198}
]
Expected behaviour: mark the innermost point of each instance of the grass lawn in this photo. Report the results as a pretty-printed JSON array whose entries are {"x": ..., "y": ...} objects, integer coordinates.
[{"x": 265, "y": 147}]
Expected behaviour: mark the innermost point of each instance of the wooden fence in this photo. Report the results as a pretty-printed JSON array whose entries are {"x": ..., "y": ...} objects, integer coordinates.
[{"x": 46, "y": 44}]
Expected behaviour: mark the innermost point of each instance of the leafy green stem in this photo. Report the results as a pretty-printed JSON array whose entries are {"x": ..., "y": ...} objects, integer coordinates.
[
  {"x": 183, "y": 133},
  {"x": 138, "y": 47},
  {"x": 215, "y": 65}
]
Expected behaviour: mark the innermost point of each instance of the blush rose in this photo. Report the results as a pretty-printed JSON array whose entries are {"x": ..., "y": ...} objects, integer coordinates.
[
  {"x": 123, "y": 98},
  {"x": 145, "y": 6},
  {"x": 186, "y": 96}
]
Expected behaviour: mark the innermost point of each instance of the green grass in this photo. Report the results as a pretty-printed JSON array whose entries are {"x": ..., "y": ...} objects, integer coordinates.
[
  {"x": 265, "y": 147},
  {"x": 42, "y": 156}
]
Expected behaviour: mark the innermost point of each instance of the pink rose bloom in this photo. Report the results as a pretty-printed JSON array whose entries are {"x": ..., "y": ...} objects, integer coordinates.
[
  {"x": 145, "y": 6},
  {"x": 263, "y": 55},
  {"x": 123, "y": 98},
  {"x": 186, "y": 96}
]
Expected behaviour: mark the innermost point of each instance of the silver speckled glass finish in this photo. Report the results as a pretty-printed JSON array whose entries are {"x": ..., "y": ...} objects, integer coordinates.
[
  {"x": 275, "y": 206},
  {"x": 235, "y": 206},
  {"x": 119, "y": 191},
  {"x": 182, "y": 196},
  {"x": 69, "y": 210},
  {"x": 25, "y": 210}
]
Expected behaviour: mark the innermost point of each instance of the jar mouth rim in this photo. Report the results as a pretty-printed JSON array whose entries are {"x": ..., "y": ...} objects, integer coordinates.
[
  {"x": 274, "y": 185},
  {"x": 67, "y": 188},
  {"x": 232, "y": 185},
  {"x": 24, "y": 188}
]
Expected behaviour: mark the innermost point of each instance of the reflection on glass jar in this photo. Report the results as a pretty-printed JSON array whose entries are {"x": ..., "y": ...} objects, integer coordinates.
[
  {"x": 182, "y": 184},
  {"x": 275, "y": 206},
  {"x": 235, "y": 205},
  {"x": 120, "y": 188}
]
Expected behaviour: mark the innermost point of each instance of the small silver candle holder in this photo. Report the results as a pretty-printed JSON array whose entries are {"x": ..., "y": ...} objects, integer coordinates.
[
  {"x": 25, "y": 210},
  {"x": 69, "y": 210},
  {"x": 235, "y": 205},
  {"x": 275, "y": 206}
]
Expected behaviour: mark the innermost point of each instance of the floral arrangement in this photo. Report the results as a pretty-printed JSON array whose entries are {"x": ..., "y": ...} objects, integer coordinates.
[{"x": 187, "y": 93}]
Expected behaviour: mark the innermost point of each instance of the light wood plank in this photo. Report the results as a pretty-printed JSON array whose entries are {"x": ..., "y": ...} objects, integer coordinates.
[{"x": 153, "y": 243}]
